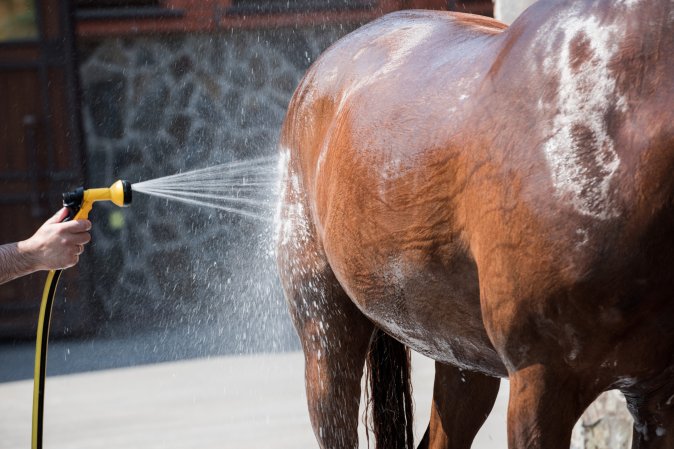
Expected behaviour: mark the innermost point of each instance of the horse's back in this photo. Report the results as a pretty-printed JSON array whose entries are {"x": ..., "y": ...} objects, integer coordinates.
[
  {"x": 406, "y": 75},
  {"x": 395, "y": 45}
]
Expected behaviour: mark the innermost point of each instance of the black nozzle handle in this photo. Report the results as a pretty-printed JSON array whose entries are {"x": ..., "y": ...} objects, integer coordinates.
[{"x": 73, "y": 201}]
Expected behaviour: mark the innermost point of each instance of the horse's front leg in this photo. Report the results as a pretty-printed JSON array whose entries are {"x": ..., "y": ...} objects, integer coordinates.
[
  {"x": 462, "y": 401},
  {"x": 545, "y": 403}
]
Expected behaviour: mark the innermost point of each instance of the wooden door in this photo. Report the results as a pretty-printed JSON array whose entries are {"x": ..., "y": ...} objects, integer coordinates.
[{"x": 40, "y": 142}]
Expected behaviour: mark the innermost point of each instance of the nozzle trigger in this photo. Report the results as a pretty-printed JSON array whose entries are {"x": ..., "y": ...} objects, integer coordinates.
[{"x": 73, "y": 201}]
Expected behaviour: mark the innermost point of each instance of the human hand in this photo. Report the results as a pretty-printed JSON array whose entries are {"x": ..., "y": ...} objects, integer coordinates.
[{"x": 56, "y": 245}]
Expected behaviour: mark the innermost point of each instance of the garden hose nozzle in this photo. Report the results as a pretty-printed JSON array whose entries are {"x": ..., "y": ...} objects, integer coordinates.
[{"x": 80, "y": 201}]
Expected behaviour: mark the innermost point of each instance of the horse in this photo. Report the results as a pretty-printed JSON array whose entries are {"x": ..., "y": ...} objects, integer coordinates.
[{"x": 499, "y": 199}]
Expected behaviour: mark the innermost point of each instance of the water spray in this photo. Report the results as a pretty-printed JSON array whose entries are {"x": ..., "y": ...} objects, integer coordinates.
[
  {"x": 79, "y": 203},
  {"x": 240, "y": 187}
]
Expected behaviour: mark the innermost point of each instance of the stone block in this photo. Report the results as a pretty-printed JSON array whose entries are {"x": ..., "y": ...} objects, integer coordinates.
[
  {"x": 105, "y": 100},
  {"x": 181, "y": 66},
  {"x": 151, "y": 96}
]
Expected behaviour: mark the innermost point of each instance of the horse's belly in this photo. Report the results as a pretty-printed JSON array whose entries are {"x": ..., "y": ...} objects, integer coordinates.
[
  {"x": 456, "y": 347},
  {"x": 433, "y": 310}
]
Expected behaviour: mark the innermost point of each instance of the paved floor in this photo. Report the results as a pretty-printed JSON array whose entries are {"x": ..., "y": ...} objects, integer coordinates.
[{"x": 225, "y": 402}]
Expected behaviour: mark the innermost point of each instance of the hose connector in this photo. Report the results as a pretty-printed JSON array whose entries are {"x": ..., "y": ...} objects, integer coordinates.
[{"x": 80, "y": 201}]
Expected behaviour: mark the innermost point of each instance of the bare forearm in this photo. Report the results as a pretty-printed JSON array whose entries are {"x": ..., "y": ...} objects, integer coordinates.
[{"x": 15, "y": 262}]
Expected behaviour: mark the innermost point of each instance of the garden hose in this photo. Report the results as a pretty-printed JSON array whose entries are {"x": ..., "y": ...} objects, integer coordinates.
[{"x": 79, "y": 203}]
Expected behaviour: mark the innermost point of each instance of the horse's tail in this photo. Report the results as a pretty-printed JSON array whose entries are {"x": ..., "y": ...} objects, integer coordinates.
[{"x": 390, "y": 393}]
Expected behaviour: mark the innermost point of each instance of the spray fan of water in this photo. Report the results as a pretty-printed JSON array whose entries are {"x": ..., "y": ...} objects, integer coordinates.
[{"x": 246, "y": 188}]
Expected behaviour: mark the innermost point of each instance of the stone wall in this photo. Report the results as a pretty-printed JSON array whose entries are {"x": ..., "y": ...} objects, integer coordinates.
[{"x": 153, "y": 106}]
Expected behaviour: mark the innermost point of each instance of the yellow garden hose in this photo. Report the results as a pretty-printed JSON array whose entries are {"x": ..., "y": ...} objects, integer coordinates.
[
  {"x": 79, "y": 203},
  {"x": 41, "y": 356}
]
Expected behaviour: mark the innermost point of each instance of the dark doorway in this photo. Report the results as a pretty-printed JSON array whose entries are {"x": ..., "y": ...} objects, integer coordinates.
[{"x": 41, "y": 148}]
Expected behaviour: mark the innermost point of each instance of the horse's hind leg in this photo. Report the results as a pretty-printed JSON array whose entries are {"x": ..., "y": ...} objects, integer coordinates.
[
  {"x": 334, "y": 334},
  {"x": 335, "y": 341},
  {"x": 461, "y": 402},
  {"x": 335, "y": 338}
]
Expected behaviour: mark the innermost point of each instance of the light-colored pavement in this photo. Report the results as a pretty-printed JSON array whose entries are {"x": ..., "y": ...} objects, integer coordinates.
[{"x": 226, "y": 402}]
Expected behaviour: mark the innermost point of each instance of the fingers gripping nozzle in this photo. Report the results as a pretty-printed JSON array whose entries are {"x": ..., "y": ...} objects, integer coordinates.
[{"x": 80, "y": 201}]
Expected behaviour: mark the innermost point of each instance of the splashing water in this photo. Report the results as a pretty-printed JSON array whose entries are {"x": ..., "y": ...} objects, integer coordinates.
[{"x": 246, "y": 188}]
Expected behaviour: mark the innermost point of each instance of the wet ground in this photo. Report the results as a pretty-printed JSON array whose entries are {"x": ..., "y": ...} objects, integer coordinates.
[
  {"x": 68, "y": 356},
  {"x": 179, "y": 387},
  {"x": 218, "y": 402}
]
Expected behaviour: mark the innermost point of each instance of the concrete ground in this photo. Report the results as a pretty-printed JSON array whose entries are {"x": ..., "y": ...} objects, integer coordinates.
[{"x": 222, "y": 402}]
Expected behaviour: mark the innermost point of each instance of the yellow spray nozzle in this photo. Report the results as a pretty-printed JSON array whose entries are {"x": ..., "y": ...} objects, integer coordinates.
[
  {"x": 80, "y": 201},
  {"x": 119, "y": 193}
]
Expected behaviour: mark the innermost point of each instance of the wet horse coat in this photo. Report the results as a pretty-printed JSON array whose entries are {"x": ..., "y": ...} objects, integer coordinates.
[{"x": 498, "y": 199}]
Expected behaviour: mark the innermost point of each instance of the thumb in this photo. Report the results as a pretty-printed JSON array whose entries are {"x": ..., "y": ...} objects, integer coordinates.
[{"x": 58, "y": 217}]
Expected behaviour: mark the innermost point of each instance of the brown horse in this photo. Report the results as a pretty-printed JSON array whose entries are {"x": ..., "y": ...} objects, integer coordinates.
[{"x": 498, "y": 199}]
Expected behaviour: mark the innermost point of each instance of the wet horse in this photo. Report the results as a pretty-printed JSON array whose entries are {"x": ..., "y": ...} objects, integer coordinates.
[{"x": 498, "y": 199}]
